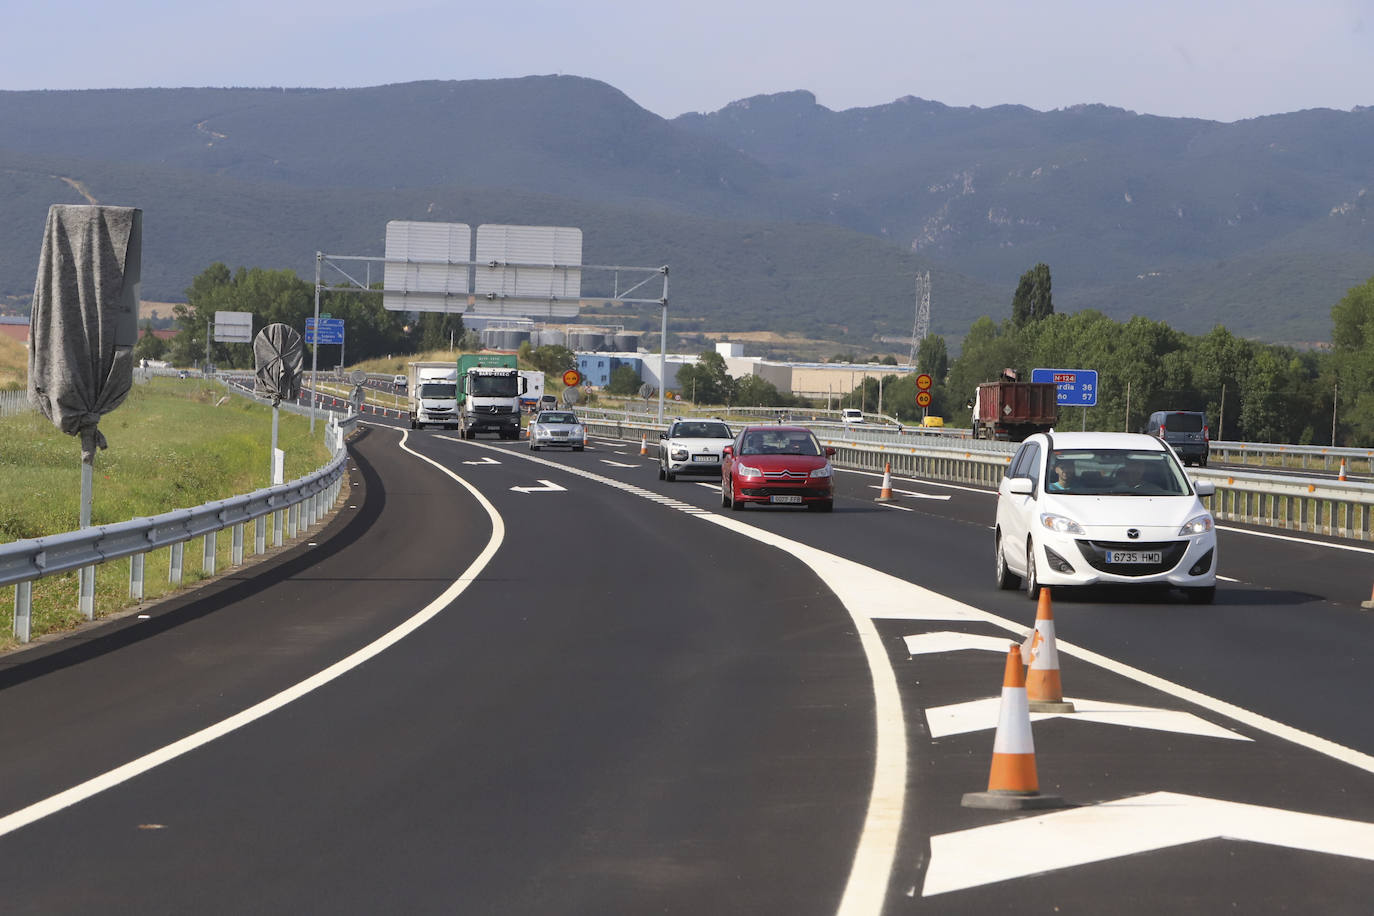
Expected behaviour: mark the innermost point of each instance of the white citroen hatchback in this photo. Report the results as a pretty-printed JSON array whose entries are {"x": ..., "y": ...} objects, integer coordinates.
[{"x": 1103, "y": 508}]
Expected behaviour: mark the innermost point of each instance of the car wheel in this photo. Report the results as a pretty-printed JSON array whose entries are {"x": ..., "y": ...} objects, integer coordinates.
[
  {"x": 1202, "y": 595},
  {"x": 724, "y": 493},
  {"x": 533, "y": 447},
  {"x": 1202, "y": 462},
  {"x": 1032, "y": 581},
  {"x": 577, "y": 448},
  {"x": 1006, "y": 579},
  {"x": 669, "y": 476},
  {"x": 662, "y": 474}
]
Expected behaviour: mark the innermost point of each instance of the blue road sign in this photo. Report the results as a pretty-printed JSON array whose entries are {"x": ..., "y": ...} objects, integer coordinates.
[
  {"x": 1075, "y": 387},
  {"x": 330, "y": 331}
]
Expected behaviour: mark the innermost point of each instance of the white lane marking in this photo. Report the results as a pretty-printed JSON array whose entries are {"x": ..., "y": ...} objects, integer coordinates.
[
  {"x": 709, "y": 486},
  {"x": 1127, "y": 826},
  {"x": 617, "y": 464},
  {"x": 941, "y": 496},
  {"x": 140, "y": 765},
  {"x": 980, "y": 715},
  {"x": 922, "y": 482},
  {"x": 927, "y": 643},
  {"x": 897, "y": 507},
  {"x": 1226, "y": 579},
  {"x": 1296, "y": 540},
  {"x": 548, "y": 487},
  {"x": 485, "y": 459}
]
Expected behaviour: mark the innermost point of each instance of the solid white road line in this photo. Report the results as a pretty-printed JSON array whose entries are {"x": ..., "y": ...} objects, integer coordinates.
[{"x": 112, "y": 778}]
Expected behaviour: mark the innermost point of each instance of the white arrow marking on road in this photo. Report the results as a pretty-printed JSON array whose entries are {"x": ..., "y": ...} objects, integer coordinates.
[
  {"x": 617, "y": 464},
  {"x": 978, "y": 715},
  {"x": 485, "y": 459},
  {"x": 548, "y": 487},
  {"x": 912, "y": 493},
  {"x": 1028, "y": 846}
]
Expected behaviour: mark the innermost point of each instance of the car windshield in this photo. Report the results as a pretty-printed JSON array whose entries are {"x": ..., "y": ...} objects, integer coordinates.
[
  {"x": 438, "y": 390},
  {"x": 547, "y": 417},
  {"x": 701, "y": 431},
  {"x": 779, "y": 442},
  {"x": 1113, "y": 472}
]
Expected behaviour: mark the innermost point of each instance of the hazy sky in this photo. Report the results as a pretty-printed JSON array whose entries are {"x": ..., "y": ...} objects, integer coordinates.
[{"x": 1219, "y": 59}]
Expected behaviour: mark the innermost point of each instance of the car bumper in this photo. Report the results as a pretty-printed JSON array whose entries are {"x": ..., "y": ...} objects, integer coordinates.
[
  {"x": 694, "y": 466},
  {"x": 557, "y": 441},
  {"x": 771, "y": 493},
  {"x": 1185, "y": 562}
]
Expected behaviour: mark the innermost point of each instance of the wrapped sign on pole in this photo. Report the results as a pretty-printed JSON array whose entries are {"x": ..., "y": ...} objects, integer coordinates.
[{"x": 83, "y": 330}]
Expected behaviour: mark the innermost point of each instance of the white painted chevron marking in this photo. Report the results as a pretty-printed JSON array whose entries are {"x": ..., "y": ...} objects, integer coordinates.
[
  {"x": 978, "y": 715},
  {"x": 548, "y": 487},
  {"x": 485, "y": 459},
  {"x": 1128, "y": 826}
]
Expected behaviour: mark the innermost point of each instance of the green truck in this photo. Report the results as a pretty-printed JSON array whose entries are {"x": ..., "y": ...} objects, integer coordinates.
[{"x": 489, "y": 390}]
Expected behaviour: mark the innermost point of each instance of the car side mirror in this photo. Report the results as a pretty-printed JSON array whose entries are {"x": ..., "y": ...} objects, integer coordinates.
[
  {"x": 663, "y": 435},
  {"x": 830, "y": 451},
  {"x": 1205, "y": 488},
  {"x": 728, "y": 451},
  {"x": 1021, "y": 486}
]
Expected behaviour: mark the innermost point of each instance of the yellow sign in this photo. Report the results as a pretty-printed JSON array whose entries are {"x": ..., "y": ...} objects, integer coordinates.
[
  {"x": 571, "y": 378},
  {"x": 923, "y": 381},
  {"x": 923, "y": 399}
]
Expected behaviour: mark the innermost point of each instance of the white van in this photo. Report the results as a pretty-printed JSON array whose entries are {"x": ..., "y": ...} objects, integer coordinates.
[{"x": 851, "y": 415}]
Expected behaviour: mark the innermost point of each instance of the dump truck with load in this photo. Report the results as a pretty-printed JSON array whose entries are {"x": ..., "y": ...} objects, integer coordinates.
[{"x": 1014, "y": 410}]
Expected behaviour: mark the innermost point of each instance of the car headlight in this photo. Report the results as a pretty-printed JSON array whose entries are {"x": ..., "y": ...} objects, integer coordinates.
[
  {"x": 744, "y": 470},
  {"x": 825, "y": 471},
  {"x": 678, "y": 453},
  {"x": 1200, "y": 525},
  {"x": 1060, "y": 524}
]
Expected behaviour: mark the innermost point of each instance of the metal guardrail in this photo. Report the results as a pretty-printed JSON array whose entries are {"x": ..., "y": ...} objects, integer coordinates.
[
  {"x": 293, "y": 507},
  {"x": 1317, "y": 506},
  {"x": 13, "y": 403}
]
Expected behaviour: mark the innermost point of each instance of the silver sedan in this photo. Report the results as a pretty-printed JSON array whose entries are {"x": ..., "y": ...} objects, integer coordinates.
[{"x": 557, "y": 427}]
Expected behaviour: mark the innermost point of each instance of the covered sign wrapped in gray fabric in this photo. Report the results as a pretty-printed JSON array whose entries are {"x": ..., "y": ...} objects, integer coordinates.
[
  {"x": 277, "y": 354},
  {"x": 85, "y": 317}
]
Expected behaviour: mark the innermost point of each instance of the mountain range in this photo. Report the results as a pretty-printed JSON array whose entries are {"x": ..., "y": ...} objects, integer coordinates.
[{"x": 774, "y": 213}]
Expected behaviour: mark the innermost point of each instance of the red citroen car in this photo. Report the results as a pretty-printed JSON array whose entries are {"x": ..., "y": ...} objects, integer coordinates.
[{"x": 777, "y": 465}]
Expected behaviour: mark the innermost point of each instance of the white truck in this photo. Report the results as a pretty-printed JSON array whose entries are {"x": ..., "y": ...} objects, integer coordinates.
[
  {"x": 432, "y": 393},
  {"x": 534, "y": 388}
]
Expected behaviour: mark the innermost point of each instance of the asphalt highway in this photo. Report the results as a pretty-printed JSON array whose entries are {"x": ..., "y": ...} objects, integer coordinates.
[{"x": 505, "y": 682}]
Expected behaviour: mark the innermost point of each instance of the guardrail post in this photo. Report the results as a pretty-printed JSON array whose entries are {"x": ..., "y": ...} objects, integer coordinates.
[
  {"x": 174, "y": 563},
  {"x": 260, "y": 535},
  {"x": 293, "y": 517},
  {"x": 23, "y": 609},
  {"x": 236, "y": 545},
  {"x": 136, "y": 576},
  {"x": 86, "y": 591},
  {"x": 207, "y": 554},
  {"x": 277, "y": 521}
]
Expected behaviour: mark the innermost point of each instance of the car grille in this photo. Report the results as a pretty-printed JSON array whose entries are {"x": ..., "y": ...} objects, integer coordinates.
[
  {"x": 1095, "y": 552},
  {"x": 786, "y": 475}
]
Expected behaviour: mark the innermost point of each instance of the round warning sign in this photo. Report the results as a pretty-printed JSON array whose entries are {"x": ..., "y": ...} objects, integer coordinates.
[
  {"x": 571, "y": 378},
  {"x": 923, "y": 381},
  {"x": 923, "y": 399}
]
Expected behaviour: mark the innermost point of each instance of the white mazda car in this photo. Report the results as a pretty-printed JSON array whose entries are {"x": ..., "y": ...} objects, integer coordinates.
[
  {"x": 692, "y": 447},
  {"x": 1103, "y": 508}
]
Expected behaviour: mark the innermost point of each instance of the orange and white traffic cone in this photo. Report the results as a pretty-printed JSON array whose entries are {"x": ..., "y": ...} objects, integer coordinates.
[
  {"x": 1013, "y": 782},
  {"x": 1044, "y": 690},
  {"x": 1341, "y": 475},
  {"x": 644, "y": 444},
  {"x": 885, "y": 494}
]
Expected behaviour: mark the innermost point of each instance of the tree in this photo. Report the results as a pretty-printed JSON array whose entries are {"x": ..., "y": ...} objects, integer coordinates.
[
  {"x": 439, "y": 330},
  {"x": 1032, "y": 300},
  {"x": 624, "y": 380},
  {"x": 757, "y": 391},
  {"x": 149, "y": 345},
  {"x": 932, "y": 357},
  {"x": 553, "y": 359},
  {"x": 706, "y": 381}
]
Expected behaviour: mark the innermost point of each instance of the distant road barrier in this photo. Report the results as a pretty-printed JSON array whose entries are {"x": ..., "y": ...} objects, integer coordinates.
[
  {"x": 292, "y": 508},
  {"x": 1313, "y": 505}
]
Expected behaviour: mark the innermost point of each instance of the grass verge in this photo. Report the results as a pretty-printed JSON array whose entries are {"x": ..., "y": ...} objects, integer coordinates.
[{"x": 173, "y": 444}]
